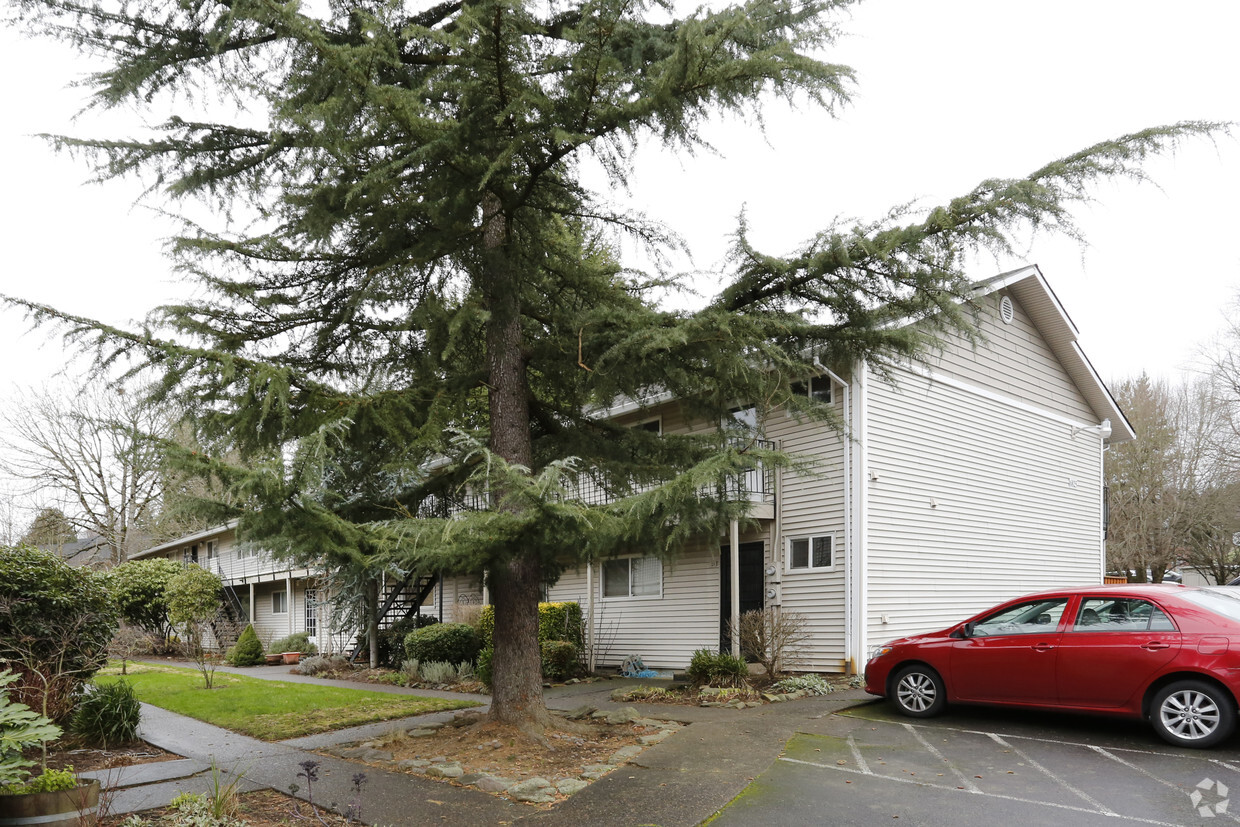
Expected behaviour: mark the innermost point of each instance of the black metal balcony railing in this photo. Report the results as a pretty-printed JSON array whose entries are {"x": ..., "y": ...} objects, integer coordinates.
[{"x": 756, "y": 485}]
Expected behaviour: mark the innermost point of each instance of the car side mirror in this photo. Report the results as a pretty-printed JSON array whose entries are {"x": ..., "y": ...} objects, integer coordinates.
[{"x": 966, "y": 631}]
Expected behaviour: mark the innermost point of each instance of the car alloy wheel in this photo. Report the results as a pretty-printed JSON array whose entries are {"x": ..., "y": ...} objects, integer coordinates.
[
  {"x": 919, "y": 692},
  {"x": 1193, "y": 714}
]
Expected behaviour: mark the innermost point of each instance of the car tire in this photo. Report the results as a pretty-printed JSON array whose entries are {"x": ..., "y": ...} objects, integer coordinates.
[
  {"x": 1193, "y": 714},
  {"x": 918, "y": 692}
]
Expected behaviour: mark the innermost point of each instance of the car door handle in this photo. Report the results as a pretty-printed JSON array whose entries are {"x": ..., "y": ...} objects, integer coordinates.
[
  {"x": 1043, "y": 647},
  {"x": 1155, "y": 645}
]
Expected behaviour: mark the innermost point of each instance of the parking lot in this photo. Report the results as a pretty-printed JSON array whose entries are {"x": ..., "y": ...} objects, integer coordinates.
[{"x": 868, "y": 765}]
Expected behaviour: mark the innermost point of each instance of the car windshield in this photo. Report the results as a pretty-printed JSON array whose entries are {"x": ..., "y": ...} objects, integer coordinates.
[{"x": 1222, "y": 603}]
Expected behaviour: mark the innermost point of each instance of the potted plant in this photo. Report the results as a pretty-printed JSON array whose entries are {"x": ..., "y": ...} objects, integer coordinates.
[{"x": 54, "y": 797}]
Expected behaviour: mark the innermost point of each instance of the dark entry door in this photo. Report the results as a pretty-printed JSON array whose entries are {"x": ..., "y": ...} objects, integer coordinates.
[{"x": 752, "y": 586}]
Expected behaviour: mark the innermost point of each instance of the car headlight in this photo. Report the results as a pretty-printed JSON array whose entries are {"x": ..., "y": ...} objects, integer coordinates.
[{"x": 880, "y": 650}]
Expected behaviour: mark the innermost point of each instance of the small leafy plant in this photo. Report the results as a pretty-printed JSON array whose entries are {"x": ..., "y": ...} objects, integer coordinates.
[
  {"x": 707, "y": 668},
  {"x": 810, "y": 684},
  {"x": 20, "y": 728}
]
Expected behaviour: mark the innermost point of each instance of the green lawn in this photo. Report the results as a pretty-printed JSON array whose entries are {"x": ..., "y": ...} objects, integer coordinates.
[{"x": 270, "y": 710}]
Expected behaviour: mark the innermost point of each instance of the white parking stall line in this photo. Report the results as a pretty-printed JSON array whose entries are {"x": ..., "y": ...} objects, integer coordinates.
[
  {"x": 856, "y": 754},
  {"x": 1098, "y": 805},
  {"x": 1150, "y": 775},
  {"x": 961, "y": 777},
  {"x": 920, "y": 783}
]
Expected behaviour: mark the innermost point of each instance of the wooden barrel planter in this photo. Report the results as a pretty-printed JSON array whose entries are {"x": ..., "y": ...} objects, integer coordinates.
[
  {"x": 273, "y": 659},
  {"x": 291, "y": 657},
  {"x": 63, "y": 808}
]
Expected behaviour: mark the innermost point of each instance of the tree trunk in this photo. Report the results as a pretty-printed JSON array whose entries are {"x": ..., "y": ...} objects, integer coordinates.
[{"x": 516, "y": 665}]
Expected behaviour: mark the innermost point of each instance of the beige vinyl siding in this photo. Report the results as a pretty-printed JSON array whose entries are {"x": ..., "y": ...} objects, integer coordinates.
[
  {"x": 975, "y": 500},
  {"x": 813, "y": 505},
  {"x": 664, "y": 630},
  {"x": 1014, "y": 360}
]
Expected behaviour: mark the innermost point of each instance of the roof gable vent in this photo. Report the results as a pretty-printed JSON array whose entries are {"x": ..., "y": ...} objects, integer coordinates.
[{"x": 1006, "y": 311}]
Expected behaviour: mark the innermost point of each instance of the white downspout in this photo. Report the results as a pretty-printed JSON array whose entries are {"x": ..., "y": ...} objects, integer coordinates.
[
  {"x": 252, "y": 601},
  {"x": 734, "y": 584},
  {"x": 590, "y": 616},
  {"x": 288, "y": 599}
]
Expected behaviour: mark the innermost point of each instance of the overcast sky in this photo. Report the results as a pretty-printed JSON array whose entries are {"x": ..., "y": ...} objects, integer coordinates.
[{"x": 950, "y": 92}]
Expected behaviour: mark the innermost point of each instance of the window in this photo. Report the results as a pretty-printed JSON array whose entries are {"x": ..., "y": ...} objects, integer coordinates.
[
  {"x": 279, "y": 603},
  {"x": 1036, "y": 617},
  {"x": 212, "y": 550},
  {"x": 633, "y": 577},
  {"x": 654, "y": 426},
  {"x": 191, "y": 554},
  {"x": 818, "y": 388},
  {"x": 1104, "y": 614},
  {"x": 312, "y": 612},
  {"x": 810, "y": 553}
]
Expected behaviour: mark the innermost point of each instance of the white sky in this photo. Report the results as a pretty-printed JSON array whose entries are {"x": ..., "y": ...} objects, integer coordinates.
[{"x": 949, "y": 93}]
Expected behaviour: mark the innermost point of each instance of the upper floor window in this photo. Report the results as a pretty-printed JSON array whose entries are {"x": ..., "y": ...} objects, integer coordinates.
[
  {"x": 810, "y": 553},
  {"x": 633, "y": 577},
  {"x": 817, "y": 387},
  {"x": 212, "y": 550},
  {"x": 279, "y": 603},
  {"x": 654, "y": 426},
  {"x": 191, "y": 554}
]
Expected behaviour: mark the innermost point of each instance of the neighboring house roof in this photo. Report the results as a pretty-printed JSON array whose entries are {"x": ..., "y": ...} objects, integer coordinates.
[{"x": 1028, "y": 286}]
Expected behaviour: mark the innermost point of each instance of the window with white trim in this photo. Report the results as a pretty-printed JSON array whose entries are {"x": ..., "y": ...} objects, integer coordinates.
[
  {"x": 633, "y": 577},
  {"x": 818, "y": 388},
  {"x": 279, "y": 603},
  {"x": 811, "y": 553},
  {"x": 212, "y": 550}
]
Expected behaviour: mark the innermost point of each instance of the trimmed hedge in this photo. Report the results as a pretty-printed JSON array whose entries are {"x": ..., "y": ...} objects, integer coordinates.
[
  {"x": 556, "y": 621},
  {"x": 561, "y": 659},
  {"x": 449, "y": 642}
]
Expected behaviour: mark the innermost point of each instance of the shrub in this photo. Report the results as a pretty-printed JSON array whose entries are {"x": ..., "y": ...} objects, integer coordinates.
[
  {"x": 248, "y": 651},
  {"x": 465, "y": 671},
  {"x": 438, "y": 672},
  {"x": 108, "y": 714},
  {"x": 773, "y": 637},
  {"x": 56, "y": 622},
  {"x": 296, "y": 642},
  {"x": 451, "y": 642},
  {"x": 140, "y": 588},
  {"x": 707, "y": 668},
  {"x": 811, "y": 684},
  {"x": 484, "y": 665},
  {"x": 392, "y": 639},
  {"x": 560, "y": 659},
  {"x": 556, "y": 621},
  {"x": 318, "y": 664}
]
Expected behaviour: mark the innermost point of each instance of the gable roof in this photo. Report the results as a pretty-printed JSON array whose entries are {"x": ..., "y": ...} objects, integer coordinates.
[{"x": 1028, "y": 286}]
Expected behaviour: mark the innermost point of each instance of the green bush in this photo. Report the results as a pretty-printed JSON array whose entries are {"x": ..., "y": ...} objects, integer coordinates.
[
  {"x": 708, "y": 668},
  {"x": 248, "y": 651},
  {"x": 140, "y": 589},
  {"x": 556, "y": 621},
  {"x": 483, "y": 671},
  {"x": 56, "y": 622},
  {"x": 451, "y": 642},
  {"x": 296, "y": 642},
  {"x": 108, "y": 715},
  {"x": 392, "y": 639},
  {"x": 48, "y": 781},
  {"x": 561, "y": 659}
]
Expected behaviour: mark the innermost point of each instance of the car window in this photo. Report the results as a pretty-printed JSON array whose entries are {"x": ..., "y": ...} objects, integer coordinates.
[
  {"x": 1034, "y": 617},
  {"x": 1107, "y": 614},
  {"x": 1220, "y": 602}
]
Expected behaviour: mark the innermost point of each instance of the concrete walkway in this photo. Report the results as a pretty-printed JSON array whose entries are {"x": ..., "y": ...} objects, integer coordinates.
[{"x": 680, "y": 781}]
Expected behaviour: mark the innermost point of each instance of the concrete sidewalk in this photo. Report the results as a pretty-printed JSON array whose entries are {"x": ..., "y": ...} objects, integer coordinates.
[{"x": 680, "y": 781}]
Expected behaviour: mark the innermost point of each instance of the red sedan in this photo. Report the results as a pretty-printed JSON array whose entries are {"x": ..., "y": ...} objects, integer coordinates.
[{"x": 1168, "y": 654}]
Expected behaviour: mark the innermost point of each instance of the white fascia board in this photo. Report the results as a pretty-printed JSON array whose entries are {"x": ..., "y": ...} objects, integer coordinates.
[{"x": 205, "y": 534}]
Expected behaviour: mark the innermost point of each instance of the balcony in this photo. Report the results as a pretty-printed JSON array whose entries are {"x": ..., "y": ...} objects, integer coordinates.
[{"x": 757, "y": 486}]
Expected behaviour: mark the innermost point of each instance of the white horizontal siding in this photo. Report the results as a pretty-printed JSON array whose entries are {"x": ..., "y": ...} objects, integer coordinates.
[
  {"x": 973, "y": 500},
  {"x": 664, "y": 630},
  {"x": 1013, "y": 359}
]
